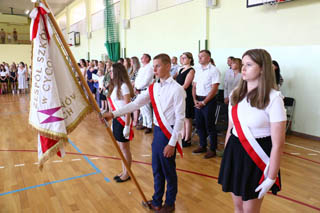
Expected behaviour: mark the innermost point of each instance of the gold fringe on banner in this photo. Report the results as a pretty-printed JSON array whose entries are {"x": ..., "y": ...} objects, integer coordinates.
[{"x": 52, "y": 151}]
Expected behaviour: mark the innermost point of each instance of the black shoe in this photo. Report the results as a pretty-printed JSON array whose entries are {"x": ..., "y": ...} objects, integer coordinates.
[
  {"x": 199, "y": 150},
  {"x": 116, "y": 177},
  {"x": 119, "y": 180},
  {"x": 148, "y": 130},
  {"x": 186, "y": 143}
]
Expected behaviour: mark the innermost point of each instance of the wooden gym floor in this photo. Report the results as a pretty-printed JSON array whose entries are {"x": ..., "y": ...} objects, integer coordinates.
[{"x": 82, "y": 180}]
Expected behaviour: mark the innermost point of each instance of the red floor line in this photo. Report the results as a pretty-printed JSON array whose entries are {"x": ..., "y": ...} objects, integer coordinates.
[
  {"x": 72, "y": 153},
  {"x": 299, "y": 202},
  {"x": 182, "y": 170},
  {"x": 301, "y": 158}
]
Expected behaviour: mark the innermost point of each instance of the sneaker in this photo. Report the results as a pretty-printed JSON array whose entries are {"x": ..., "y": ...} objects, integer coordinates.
[
  {"x": 199, "y": 150},
  {"x": 210, "y": 154}
]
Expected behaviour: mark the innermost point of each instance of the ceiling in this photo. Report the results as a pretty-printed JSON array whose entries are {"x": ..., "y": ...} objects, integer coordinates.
[{"x": 18, "y": 7}]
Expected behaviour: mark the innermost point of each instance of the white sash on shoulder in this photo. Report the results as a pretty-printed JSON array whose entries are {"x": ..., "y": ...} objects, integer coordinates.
[{"x": 162, "y": 121}]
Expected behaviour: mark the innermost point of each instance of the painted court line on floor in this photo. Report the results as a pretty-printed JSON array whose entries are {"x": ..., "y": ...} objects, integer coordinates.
[
  {"x": 44, "y": 184},
  {"x": 94, "y": 158},
  {"x": 58, "y": 181},
  {"x": 146, "y": 163},
  {"x": 89, "y": 161},
  {"x": 302, "y": 147},
  {"x": 85, "y": 157}
]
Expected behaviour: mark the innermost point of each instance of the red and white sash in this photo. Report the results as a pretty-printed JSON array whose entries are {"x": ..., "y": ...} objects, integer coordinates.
[
  {"x": 114, "y": 107},
  {"x": 252, "y": 147},
  {"x": 162, "y": 121}
]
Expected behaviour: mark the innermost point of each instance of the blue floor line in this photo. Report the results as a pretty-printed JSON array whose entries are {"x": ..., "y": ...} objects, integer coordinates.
[
  {"x": 98, "y": 171},
  {"x": 85, "y": 157},
  {"x": 44, "y": 184}
]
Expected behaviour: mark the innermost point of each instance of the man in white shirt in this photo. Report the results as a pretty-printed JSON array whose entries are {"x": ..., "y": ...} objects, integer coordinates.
[
  {"x": 170, "y": 105},
  {"x": 143, "y": 80},
  {"x": 205, "y": 88},
  {"x": 174, "y": 67},
  {"x": 227, "y": 75}
]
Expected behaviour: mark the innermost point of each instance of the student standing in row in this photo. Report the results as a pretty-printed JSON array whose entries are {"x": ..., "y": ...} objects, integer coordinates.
[
  {"x": 120, "y": 94},
  {"x": 142, "y": 81},
  {"x": 185, "y": 78},
  {"x": 168, "y": 100},
  {"x": 255, "y": 135},
  {"x": 205, "y": 88}
]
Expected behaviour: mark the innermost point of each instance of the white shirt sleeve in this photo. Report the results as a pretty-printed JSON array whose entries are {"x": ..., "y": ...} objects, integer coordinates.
[
  {"x": 276, "y": 109},
  {"x": 125, "y": 89},
  {"x": 215, "y": 76},
  {"x": 179, "y": 112},
  {"x": 195, "y": 75},
  {"x": 140, "y": 101}
]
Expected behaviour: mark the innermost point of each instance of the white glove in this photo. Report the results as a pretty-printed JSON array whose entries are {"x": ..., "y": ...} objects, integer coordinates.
[
  {"x": 264, "y": 187},
  {"x": 126, "y": 132}
]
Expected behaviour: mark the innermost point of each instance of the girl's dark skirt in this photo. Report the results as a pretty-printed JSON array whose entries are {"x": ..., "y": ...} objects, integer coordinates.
[
  {"x": 117, "y": 130},
  {"x": 238, "y": 173}
]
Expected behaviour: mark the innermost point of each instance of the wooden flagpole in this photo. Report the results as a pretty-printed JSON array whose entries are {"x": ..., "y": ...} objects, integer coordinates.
[{"x": 93, "y": 101}]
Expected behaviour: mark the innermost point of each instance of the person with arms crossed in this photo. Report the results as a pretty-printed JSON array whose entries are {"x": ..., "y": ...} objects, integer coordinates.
[
  {"x": 255, "y": 136},
  {"x": 168, "y": 99}
]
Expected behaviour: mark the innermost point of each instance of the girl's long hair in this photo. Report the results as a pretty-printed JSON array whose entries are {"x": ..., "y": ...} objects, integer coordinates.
[
  {"x": 258, "y": 97},
  {"x": 277, "y": 71},
  {"x": 120, "y": 76}
]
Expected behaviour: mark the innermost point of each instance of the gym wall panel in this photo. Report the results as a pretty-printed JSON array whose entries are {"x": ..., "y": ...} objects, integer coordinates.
[
  {"x": 173, "y": 30},
  {"x": 15, "y": 53},
  {"x": 290, "y": 33}
]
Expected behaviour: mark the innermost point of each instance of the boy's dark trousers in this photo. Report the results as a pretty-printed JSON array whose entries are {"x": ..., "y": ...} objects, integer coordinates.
[{"x": 164, "y": 169}]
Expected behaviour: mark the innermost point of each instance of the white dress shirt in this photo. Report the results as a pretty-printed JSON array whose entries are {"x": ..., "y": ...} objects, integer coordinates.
[
  {"x": 172, "y": 102},
  {"x": 230, "y": 82},
  {"x": 204, "y": 78},
  {"x": 144, "y": 77}
]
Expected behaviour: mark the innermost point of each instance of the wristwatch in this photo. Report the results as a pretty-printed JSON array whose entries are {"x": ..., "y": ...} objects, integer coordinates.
[{"x": 203, "y": 103}]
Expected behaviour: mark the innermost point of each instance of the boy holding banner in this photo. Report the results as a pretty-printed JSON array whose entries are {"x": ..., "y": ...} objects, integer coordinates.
[
  {"x": 256, "y": 133},
  {"x": 168, "y": 100}
]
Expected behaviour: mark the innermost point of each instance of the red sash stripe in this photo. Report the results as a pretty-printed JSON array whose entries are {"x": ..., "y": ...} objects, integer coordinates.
[
  {"x": 246, "y": 145},
  {"x": 161, "y": 125},
  {"x": 121, "y": 121}
]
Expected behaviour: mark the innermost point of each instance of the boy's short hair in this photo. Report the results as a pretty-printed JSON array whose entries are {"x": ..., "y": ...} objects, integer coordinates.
[
  {"x": 148, "y": 56},
  {"x": 206, "y": 51},
  {"x": 164, "y": 58}
]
